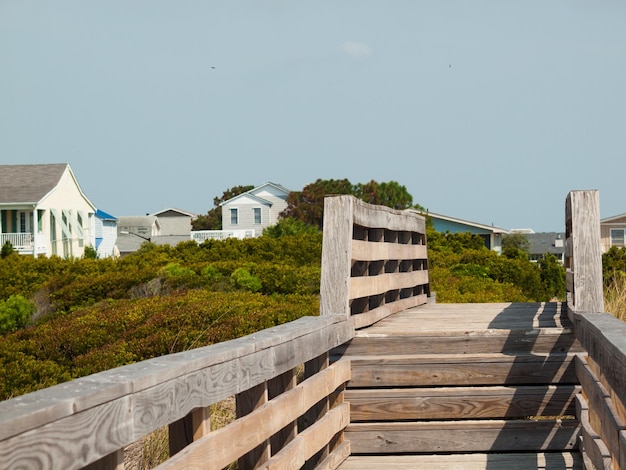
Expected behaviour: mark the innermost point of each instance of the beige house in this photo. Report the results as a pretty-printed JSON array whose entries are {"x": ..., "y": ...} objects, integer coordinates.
[
  {"x": 612, "y": 232},
  {"x": 43, "y": 211},
  {"x": 255, "y": 209}
]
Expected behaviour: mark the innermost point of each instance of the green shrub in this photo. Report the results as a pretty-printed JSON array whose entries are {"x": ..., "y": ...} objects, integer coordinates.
[
  {"x": 7, "y": 249},
  {"x": 15, "y": 313},
  {"x": 90, "y": 252},
  {"x": 242, "y": 279}
]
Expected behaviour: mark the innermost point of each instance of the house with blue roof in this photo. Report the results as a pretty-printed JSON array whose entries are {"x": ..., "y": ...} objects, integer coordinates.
[{"x": 106, "y": 234}]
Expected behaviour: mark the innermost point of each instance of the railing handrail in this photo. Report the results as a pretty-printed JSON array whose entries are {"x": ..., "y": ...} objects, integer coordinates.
[
  {"x": 601, "y": 409},
  {"x": 374, "y": 260},
  {"x": 91, "y": 419}
]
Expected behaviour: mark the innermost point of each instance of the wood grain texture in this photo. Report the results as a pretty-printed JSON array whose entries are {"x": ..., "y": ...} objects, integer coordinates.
[
  {"x": 591, "y": 443},
  {"x": 80, "y": 422},
  {"x": 462, "y": 370},
  {"x": 460, "y": 402},
  {"x": 583, "y": 237},
  {"x": 368, "y": 251},
  {"x": 373, "y": 285},
  {"x": 602, "y": 416},
  {"x": 225, "y": 445},
  {"x": 462, "y": 436},
  {"x": 512, "y": 461}
]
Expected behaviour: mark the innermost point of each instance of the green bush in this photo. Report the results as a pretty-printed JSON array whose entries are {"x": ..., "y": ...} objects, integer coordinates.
[
  {"x": 242, "y": 278},
  {"x": 15, "y": 313}
]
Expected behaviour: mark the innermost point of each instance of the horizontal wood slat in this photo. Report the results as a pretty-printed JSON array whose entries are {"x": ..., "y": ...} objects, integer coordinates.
[
  {"x": 372, "y": 316},
  {"x": 462, "y": 436},
  {"x": 367, "y": 286},
  {"x": 441, "y": 370},
  {"x": 219, "y": 448},
  {"x": 468, "y": 342},
  {"x": 374, "y": 251},
  {"x": 469, "y": 402},
  {"x": 311, "y": 440},
  {"x": 603, "y": 416},
  {"x": 486, "y": 461},
  {"x": 591, "y": 443}
]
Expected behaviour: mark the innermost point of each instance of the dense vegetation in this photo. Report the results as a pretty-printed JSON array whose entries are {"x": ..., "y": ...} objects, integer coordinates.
[{"x": 87, "y": 315}]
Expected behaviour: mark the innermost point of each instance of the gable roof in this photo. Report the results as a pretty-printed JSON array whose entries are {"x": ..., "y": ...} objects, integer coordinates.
[
  {"x": 173, "y": 212},
  {"x": 28, "y": 184},
  {"x": 103, "y": 215},
  {"x": 252, "y": 194}
]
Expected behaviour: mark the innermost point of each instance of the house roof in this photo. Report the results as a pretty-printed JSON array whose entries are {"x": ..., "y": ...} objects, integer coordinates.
[
  {"x": 455, "y": 220},
  {"x": 29, "y": 184},
  {"x": 138, "y": 221},
  {"x": 608, "y": 220},
  {"x": 104, "y": 216},
  {"x": 251, "y": 193},
  {"x": 169, "y": 212},
  {"x": 545, "y": 242}
]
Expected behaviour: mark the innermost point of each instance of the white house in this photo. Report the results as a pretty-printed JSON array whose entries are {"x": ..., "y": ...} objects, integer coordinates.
[
  {"x": 255, "y": 209},
  {"x": 613, "y": 232},
  {"x": 43, "y": 211},
  {"x": 106, "y": 234}
]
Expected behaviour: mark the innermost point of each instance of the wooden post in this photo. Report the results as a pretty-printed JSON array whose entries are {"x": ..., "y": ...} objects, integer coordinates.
[
  {"x": 336, "y": 255},
  {"x": 583, "y": 260},
  {"x": 311, "y": 368}
]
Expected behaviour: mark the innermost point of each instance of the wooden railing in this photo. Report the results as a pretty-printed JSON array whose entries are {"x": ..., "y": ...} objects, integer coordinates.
[
  {"x": 89, "y": 421},
  {"x": 601, "y": 408},
  {"x": 374, "y": 260}
]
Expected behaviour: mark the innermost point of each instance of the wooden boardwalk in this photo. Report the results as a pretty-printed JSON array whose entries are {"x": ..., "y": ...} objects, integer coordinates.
[{"x": 488, "y": 386}]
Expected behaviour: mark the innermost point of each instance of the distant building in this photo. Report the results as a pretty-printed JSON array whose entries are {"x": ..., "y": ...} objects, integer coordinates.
[
  {"x": 255, "y": 209},
  {"x": 613, "y": 232},
  {"x": 175, "y": 226},
  {"x": 490, "y": 234},
  {"x": 106, "y": 234},
  {"x": 134, "y": 231},
  {"x": 546, "y": 242}
]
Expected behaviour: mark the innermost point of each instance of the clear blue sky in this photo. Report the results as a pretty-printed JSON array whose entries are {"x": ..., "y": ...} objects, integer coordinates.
[{"x": 490, "y": 111}]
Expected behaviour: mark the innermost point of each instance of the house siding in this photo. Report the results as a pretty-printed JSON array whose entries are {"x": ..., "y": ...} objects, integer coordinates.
[
  {"x": 67, "y": 199},
  {"x": 618, "y": 222},
  {"x": 271, "y": 199}
]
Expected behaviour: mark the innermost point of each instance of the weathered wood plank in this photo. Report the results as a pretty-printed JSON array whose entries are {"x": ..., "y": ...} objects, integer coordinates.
[
  {"x": 460, "y": 402},
  {"x": 225, "y": 445},
  {"x": 583, "y": 236},
  {"x": 463, "y": 342},
  {"x": 603, "y": 416},
  {"x": 479, "y": 369},
  {"x": 373, "y": 285},
  {"x": 336, "y": 256},
  {"x": 311, "y": 440},
  {"x": 367, "y": 251},
  {"x": 336, "y": 457},
  {"x": 108, "y": 411},
  {"x": 372, "y": 316},
  {"x": 462, "y": 436},
  {"x": 512, "y": 461},
  {"x": 604, "y": 338},
  {"x": 592, "y": 446}
]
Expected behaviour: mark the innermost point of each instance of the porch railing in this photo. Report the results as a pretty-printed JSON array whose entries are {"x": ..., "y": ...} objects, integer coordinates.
[
  {"x": 202, "y": 235},
  {"x": 18, "y": 240}
]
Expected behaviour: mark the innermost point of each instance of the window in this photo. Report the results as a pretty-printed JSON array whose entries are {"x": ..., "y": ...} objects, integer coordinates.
[
  {"x": 257, "y": 215},
  {"x": 22, "y": 222},
  {"x": 234, "y": 216},
  {"x": 617, "y": 237}
]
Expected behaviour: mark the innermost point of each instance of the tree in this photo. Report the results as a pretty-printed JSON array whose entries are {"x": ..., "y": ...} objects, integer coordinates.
[
  {"x": 515, "y": 240},
  {"x": 390, "y": 194},
  {"x": 212, "y": 220},
  {"x": 308, "y": 205}
]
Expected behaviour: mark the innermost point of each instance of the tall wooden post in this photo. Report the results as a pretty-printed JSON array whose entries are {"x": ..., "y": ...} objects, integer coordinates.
[{"x": 583, "y": 258}]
